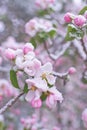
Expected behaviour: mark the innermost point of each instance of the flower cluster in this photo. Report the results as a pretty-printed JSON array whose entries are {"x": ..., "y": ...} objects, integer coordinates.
[
  {"x": 36, "y": 25},
  {"x": 77, "y": 20},
  {"x": 40, "y": 79},
  {"x": 44, "y": 4}
]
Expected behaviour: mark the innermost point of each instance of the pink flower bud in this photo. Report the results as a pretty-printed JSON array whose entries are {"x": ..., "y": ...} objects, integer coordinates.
[
  {"x": 28, "y": 47},
  {"x": 67, "y": 18},
  {"x": 10, "y": 54},
  {"x": 71, "y": 70},
  {"x": 79, "y": 20},
  {"x": 36, "y": 103}
]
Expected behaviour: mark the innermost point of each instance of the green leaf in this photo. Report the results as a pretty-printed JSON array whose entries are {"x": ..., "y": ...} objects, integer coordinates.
[
  {"x": 82, "y": 11},
  {"x": 43, "y": 97},
  {"x": 33, "y": 42},
  {"x": 26, "y": 88},
  {"x": 13, "y": 78},
  {"x": 84, "y": 80},
  {"x": 73, "y": 33},
  {"x": 52, "y": 33},
  {"x": 42, "y": 12},
  {"x": 43, "y": 35}
]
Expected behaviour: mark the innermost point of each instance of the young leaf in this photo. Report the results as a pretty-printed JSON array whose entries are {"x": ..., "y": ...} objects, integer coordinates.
[
  {"x": 32, "y": 40},
  {"x": 42, "y": 12},
  {"x": 13, "y": 78},
  {"x": 26, "y": 88},
  {"x": 52, "y": 33},
  {"x": 73, "y": 33},
  {"x": 82, "y": 11}
]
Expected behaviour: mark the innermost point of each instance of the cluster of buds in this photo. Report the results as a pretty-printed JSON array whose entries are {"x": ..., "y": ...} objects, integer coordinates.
[
  {"x": 44, "y": 4},
  {"x": 40, "y": 79},
  {"x": 36, "y": 25},
  {"x": 77, "y": 20}
]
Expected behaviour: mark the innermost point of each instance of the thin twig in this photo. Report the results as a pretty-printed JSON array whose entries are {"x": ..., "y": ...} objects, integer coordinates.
[
  {"x": 84, "y": 48},
  {"x": 10, "y": 103},
  {"x": 53, "y": 56},
  {"x": 61, "y": 75}
]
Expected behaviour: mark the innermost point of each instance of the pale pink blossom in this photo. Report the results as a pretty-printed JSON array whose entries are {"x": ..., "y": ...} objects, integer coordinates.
[
  {"x": 31, "y": 27},
  {"x": 53, "y": 97},
  {"x": 45, "y": 72},
  {"x": 39, "y": 83},
  {"x": 31, "y": 67}
]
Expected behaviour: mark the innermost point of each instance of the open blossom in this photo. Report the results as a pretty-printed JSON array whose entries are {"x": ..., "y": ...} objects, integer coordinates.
[
  {"x": 53, "y": 97},
  {"x": 36, "y": 87},
  {"x": 44, "y": 3},
  {"x": 24, "y": 59},
  {"x": 36, "y": 25},
  {"x": 45, "y": 72},
  {"x": 31, "y": 67},
  {"x": 31, "y": 27}
]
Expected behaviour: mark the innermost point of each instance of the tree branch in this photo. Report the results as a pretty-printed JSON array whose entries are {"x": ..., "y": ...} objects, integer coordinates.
[{"x": 10, "y": 103}]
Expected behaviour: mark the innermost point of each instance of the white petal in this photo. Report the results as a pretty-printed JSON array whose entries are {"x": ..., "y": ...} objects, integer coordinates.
[
  {"x": 29, "y": 96},
  {"x": 51, "y": 79}
]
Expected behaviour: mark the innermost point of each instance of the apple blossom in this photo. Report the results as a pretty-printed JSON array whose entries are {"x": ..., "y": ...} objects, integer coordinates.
[
  {"x": 53, "y": 96},
  {"x": 31, "y": 27},
  {"x": 45, "y": 72}
]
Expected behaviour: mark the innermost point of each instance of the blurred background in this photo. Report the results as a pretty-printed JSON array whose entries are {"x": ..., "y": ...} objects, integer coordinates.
[{"x": 14, "y": 14}]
